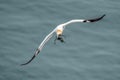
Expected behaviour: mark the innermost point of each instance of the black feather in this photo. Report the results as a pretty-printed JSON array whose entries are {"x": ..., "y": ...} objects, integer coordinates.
[
  {"x": 36, "y": 53},
  {"x": 94, "y": 20}
]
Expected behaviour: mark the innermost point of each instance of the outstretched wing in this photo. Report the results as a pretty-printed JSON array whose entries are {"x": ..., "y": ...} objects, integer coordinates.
[
  {"x": 40, "y": 47},
  {"x": 84, "y": 20},
  {"x": 94, "y": 20}
]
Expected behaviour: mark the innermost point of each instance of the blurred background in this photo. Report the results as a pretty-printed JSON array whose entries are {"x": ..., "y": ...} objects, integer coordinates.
[{"x": 91, "y": 51}]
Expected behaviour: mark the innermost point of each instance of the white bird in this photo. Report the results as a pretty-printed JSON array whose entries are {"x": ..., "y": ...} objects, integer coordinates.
[{"x": 59, "y": 30}]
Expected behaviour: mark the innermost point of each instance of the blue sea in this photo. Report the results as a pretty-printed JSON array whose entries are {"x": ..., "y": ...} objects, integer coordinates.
[{"x": 91, "y": 50}]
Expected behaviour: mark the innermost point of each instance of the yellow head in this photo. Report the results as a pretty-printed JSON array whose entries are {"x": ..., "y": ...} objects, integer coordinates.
[{"x": 59, "y": 31}]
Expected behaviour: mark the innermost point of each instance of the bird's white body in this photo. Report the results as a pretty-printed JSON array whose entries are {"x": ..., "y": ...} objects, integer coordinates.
[{"x": 59, "y": 31}]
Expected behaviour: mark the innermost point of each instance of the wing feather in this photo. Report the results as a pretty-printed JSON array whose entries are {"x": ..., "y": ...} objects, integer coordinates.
[
  {"x": 95, "y": 19},
  {"x": 84, "y": 20},
  {"x": 40, "y": 47}
]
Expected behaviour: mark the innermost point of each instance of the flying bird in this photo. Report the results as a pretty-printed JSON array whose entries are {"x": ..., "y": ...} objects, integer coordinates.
[{"x": 59, "y": 34}]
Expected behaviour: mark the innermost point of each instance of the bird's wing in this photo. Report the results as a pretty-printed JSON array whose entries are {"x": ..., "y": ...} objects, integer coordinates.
[
  {"x": 84, "y": 20},
  {"x": 95, "y": 19},
  {"x": 40, "y": 47}
]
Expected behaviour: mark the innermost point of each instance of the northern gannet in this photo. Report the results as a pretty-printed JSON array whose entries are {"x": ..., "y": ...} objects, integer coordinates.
[{"x": 59, "y": 33}]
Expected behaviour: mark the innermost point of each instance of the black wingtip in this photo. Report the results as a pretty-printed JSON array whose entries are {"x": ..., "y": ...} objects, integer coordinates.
[
  {"x": 97, "y": 19},
  {"x": 28, "y": 61},
  {"x": 103, "y": 16},
  {"x": 36, "y": 53}
]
